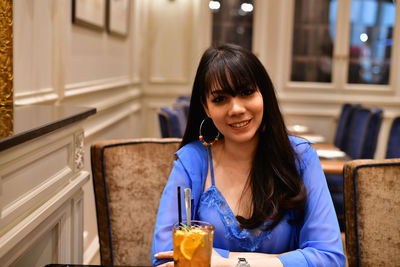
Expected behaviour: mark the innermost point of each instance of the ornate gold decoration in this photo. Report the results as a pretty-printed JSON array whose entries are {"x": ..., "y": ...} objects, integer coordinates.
[
  {"x": 79, "y": 151},
  {"x": 6, "y": 121},
  {"x": 6, "y": 53}
]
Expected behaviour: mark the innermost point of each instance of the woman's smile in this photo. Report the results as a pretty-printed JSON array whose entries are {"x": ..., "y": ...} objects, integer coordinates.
[{"x": 241, "y": 124}]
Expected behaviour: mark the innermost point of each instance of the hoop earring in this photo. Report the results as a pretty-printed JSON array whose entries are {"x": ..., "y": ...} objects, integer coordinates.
[{"x": 205, "y": 143}]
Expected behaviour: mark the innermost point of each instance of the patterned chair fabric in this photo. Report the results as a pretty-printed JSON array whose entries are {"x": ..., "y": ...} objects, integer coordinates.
[
  {"x": 372, "y": 201},
  {"x": 393, "y": 146},
  {"x": 128, "y": 178}
]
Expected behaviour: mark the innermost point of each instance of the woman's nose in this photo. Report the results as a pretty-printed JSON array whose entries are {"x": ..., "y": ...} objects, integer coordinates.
[{"x": 236, "y": 106}]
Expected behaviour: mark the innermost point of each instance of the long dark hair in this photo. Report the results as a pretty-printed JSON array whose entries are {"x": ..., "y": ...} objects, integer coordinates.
[{"x": 274, "y": 180}]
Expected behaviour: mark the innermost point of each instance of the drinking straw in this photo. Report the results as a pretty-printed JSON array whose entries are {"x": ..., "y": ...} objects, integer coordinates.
[
  {"x": 179, "y": 205},
  {"x": 188, "y": 197}
]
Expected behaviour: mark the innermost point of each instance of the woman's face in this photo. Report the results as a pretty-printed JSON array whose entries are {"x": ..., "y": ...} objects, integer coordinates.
[{"x": 238, "y": 117}]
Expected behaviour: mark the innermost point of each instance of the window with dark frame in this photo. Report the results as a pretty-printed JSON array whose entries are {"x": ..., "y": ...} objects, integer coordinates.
[{"x": 232, "y": 22}]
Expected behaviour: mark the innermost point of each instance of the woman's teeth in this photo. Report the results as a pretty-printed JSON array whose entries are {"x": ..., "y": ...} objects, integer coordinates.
[{"x": 240, "y": 124}]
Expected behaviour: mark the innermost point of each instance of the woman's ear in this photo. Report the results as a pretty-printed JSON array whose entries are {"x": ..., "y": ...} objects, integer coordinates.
[{"x": 205, "y": 108}]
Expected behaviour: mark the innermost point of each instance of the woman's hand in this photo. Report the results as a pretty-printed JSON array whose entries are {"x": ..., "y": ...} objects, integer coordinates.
[
  {"x": 216, "y": 259},
  {"x": 165, "y": 255}
]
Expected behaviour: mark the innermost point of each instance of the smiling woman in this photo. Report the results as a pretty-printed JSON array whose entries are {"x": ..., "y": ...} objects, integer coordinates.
[{"x": 263, "y": 190}]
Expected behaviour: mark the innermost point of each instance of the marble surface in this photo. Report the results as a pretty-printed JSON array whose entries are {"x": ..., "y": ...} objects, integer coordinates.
[{"x": 32, "y": 121}]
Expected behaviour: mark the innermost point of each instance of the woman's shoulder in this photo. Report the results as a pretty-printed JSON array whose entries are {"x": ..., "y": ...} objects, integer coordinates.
[
  {"x": 302, "y": 147},
  {"x": 193, "y": 158},
  {"x": 194, "y": 148},
  {"x": 299, "y": 143}
]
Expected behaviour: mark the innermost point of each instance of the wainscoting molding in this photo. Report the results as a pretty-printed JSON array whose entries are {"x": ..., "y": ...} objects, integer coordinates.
[
  {"x": 43, "y": 95},
  {"x": 96, "y": 85}
]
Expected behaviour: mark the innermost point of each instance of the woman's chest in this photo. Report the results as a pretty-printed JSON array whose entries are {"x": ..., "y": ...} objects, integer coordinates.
[{"x": 228, "y": 234}]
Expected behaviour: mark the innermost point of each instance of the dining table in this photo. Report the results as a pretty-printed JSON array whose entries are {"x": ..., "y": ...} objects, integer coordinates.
[
  {"x": 331, "y": 157},
  {"x": 334, "y": 159}
]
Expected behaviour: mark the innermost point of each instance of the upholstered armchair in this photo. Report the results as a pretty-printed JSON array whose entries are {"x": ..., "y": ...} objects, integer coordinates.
[
  {"x": 372, "y": 210},
  {"x": 128, "y": 178}
]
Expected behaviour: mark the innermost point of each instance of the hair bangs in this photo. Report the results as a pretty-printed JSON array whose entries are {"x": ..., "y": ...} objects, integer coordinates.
[{"x": 228, "y": 75}]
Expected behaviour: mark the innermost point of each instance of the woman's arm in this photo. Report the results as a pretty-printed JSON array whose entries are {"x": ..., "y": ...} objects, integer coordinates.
[
  {"x": 319, "y": 238},
  {"x": 254, "y": 259}
]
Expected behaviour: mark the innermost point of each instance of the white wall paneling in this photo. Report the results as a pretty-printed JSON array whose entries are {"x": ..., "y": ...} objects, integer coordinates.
[
  {"x": 169, "y": 41},
  {"x": 41, "y": 199}
]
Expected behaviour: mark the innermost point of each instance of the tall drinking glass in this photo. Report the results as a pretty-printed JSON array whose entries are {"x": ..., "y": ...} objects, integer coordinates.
[{"x": 193, "y": 244}]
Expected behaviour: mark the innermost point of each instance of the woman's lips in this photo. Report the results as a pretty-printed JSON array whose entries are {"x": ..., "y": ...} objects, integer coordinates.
[{"x": 239, "y": 124}]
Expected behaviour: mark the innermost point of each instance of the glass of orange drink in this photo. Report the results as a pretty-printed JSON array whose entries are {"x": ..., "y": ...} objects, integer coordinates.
[{"x": 193, "y": 244}]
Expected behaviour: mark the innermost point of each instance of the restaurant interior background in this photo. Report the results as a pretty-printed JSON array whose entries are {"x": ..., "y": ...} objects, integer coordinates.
[{"x": 319, "y": 53}]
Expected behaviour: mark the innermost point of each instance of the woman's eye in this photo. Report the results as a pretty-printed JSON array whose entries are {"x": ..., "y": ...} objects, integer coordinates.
[
  {"x": 218, "y": 99},
  {"x": 247, "y": 92}
]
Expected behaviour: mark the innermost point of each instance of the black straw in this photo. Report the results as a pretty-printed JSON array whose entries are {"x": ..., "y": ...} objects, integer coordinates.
[{"x": 179, "y": 205}]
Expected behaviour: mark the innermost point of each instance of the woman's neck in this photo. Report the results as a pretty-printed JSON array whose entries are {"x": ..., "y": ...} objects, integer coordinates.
[{"x": 240, "y": 151}]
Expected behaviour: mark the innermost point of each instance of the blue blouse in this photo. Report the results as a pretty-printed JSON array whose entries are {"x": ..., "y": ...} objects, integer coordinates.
[{"x": 314, "y": 242}]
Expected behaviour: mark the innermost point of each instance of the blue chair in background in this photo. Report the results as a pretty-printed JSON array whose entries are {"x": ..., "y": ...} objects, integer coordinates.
[
  {"x": 184, "y": 97},
  {"x": 393, "y": 146},
  {"x": 344, "y": 124},
  {"x": 176, "y": 121},
  {"x": 354, "y": 136},
  {"x": 164, "y": 124},
  {"x": 184, "y": 105},
  {"x": 358, "y": 132},
  {"x": 371, "y": 137}
]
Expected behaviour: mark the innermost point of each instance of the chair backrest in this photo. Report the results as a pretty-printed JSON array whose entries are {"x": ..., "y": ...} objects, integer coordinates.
[
  {"x": 371, "y": 137},
  {"x": 184, "y": 105},
  {"x": 128, "y": 179},
  {"x": 393, "y": 145},
  {"x": 358, "y": 133},
  {"x": 177, "y": 120},
  {"x": 372, "y": 206},
  {"x": 344, "y": 123},
  {"x": 165, "y": 125}
]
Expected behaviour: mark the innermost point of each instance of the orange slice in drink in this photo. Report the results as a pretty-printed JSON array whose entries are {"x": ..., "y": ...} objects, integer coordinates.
[
  {"x": 192, "y": 240},
  {"x": 177, "y": 240}
]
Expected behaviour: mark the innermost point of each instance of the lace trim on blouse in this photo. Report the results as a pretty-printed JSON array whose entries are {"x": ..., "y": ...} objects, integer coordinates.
[{"x": 247, "y": 239}]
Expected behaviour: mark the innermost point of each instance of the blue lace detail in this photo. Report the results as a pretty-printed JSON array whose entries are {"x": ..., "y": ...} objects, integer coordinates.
[{"x": 249, "y": 240}]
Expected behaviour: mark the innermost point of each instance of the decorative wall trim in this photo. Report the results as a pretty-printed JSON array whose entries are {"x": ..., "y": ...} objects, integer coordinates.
[
  {"x": 56, "y": 224},
  {"x": 28, "y": 224},
  {"x": 79, "y": 151},
  {"x": 136, "y": 80},
  {"x": 309, "y": 112},
  {"x": 77, "y": 222},
  {"x": 91, "y": 251},
  {"x": 35, "y": 97},
  {"x": 166, "y": 93},
  {"x": 95, "y": 126},
  {"x": 178, "y": 46},
  {"x": 117, "y": 100},
  {"x": 96, "y": 85},
  {"x": 163, "y": 80},
  {"x": 23, "y": 199},
  {"x": 339, "y": 99}
]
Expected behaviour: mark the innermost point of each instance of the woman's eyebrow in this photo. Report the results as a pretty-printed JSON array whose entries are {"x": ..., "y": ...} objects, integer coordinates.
[{"x": 219, "y": 91}]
